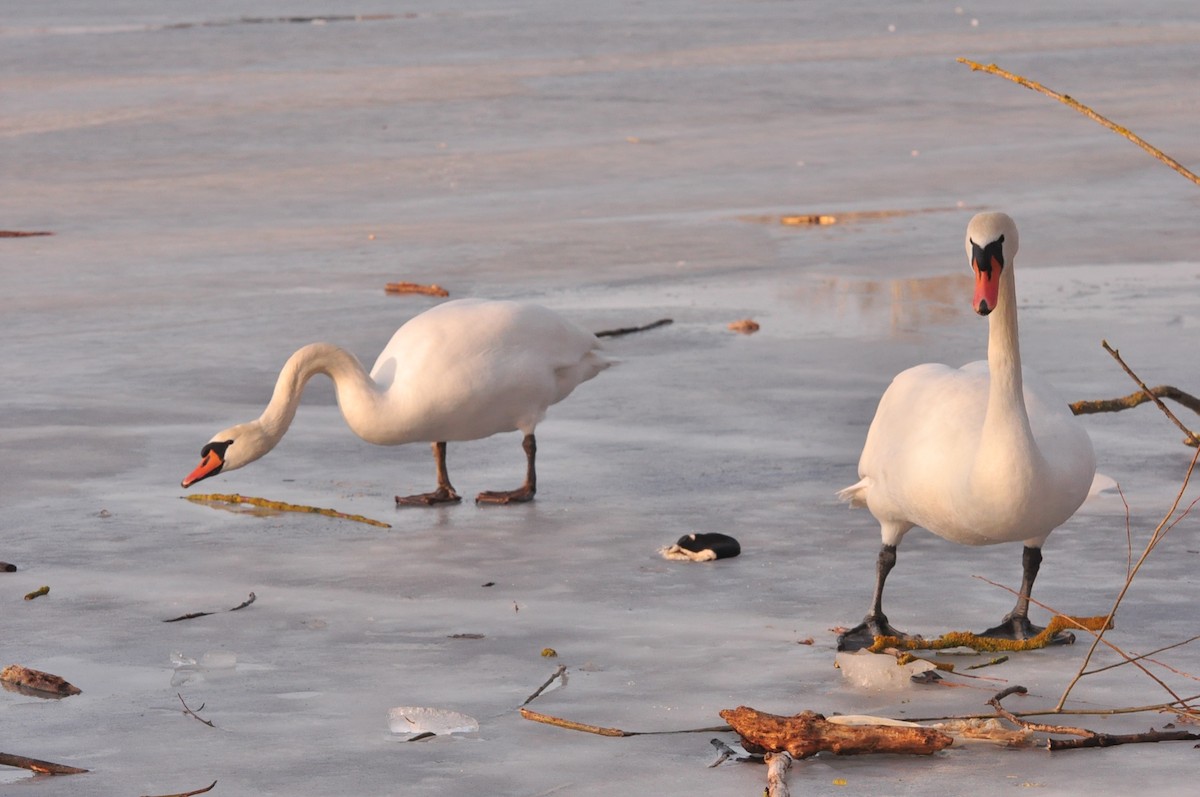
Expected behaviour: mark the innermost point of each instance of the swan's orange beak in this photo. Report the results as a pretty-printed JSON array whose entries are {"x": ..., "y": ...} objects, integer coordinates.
[
  {"x": 987, "y": 282},
  {"x": 210, "y": 465}
]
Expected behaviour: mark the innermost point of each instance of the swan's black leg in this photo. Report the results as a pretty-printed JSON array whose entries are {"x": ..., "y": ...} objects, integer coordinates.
[
  {"x": 444, "y": 494},
  {"x": 523, "y": 493},
  {"x": 1015, "y": 624},
  {"x": 876, "y": 622}
]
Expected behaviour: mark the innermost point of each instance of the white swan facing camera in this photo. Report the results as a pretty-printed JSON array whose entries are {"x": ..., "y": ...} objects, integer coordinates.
[
  {"x": 979, "y": 455},
  {"x": 463, "y": 370}
]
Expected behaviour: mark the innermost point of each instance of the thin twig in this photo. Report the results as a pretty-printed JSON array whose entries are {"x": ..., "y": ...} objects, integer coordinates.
[
  {"x": 613, "y": 333},
  {"x": 562, "y": 668},
  {"x": 187, "y": 793},
  {"x": 189, "y": 712},
  {"x": 1147, "y": 657},
  {"x": 1173, "y": 706},
  {"x": 1086, "y": 111},
  {"x": 571, "y": 725}
]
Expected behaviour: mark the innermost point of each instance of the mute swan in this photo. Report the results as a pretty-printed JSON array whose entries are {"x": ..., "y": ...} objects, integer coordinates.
[
  {"x": 463, "y": 370},
  {"x": 979, "y": 455}
]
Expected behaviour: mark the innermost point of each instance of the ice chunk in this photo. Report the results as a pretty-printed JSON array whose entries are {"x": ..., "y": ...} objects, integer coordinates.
[
  {"x": 879, "y": 671},
  {"x": 412, "y": 720}
]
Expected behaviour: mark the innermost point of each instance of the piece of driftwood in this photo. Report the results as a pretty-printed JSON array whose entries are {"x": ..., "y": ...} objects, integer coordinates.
[
  {"x": 747, "y": 326},
  {"x": 37, "y": 593},
  {"x": 809, "y": 733},
  {"x": 38, "y": 765},
  {"x": 6, "y": 567},
  {"x": 23, "y": 233},
  {"x": 616, "y": 333},
  {"x": 412, "y": 287},
  {"x": 37, "y": 681}
]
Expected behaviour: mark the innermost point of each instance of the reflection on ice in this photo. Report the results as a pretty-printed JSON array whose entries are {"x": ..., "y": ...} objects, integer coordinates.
[{"x": 883, "y": 308}]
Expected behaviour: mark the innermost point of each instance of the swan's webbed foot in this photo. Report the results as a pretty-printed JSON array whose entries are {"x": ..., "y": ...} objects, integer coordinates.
[
  {"x": 442, "y": 495},
  {"x": 1018, "y": 628},
  {"x": 863, "y": 635},
  {"x": 520, "y": 495}
]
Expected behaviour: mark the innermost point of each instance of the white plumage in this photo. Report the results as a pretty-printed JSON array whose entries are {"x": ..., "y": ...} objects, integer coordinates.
[{"x": 463, "y": 370}]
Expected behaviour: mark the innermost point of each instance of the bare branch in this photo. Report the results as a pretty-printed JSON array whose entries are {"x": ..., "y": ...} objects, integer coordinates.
[
  {"x": 1093, "y": 406},
  {"x": 1086, "y": 111}
]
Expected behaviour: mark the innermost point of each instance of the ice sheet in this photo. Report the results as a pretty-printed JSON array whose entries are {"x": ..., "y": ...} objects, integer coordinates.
[{"x": 223, "y": 190}]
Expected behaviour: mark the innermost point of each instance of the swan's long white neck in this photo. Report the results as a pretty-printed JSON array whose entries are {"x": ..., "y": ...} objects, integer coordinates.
[
  {"x": 1008, "y": 454},
  {"x": 357, "y": 394}
]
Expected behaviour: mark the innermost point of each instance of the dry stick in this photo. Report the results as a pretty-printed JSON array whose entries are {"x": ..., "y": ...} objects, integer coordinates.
[
  {"x": 37, "y": 765},
  {"x": 209, "y": 787},
  {"x": 613, "y": 333},
  {"x": 1111, "y": 740},
  {"x": 571, "y": 725},
  {"x": 1086, "y": 111},
  {"x": 562, "y": 668}
]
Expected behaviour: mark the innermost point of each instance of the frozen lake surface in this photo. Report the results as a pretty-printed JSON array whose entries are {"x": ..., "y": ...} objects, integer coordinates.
[{"x": 225, "y": 184}]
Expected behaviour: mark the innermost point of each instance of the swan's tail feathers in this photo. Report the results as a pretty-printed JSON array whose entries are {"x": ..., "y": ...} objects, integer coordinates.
[{"x": 856, "y": 494}]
